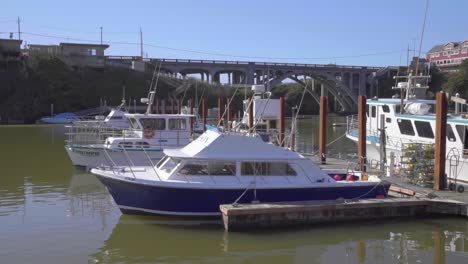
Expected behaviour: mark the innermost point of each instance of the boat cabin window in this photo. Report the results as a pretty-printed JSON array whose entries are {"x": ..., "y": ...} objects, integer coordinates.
[
  {"x": 161, "y": 162},
  {"x": 214, "y": 168},
  {"x": 116, "y": 117},
  {"x": 133, "y": 123},
  {"x": 406, "y": 128},
  {"x": 177, "y": 124},
  {"x": 388, "y": 120},
  {"x": 125, "y": 145},
  {"x": 169, "y": 164},
  {"x": 450, "y": 135},
  {"x": 194, "y": 168},
  {"x": 385, "y": 108},
  {"x": 373, "y": 111},
  {"x": 463, "y": 133},
  {"x": 142, "y": 144},
  {"x": 154, "y": 123},
  {"x": 267, "y": 169},
  {"x": 424, "y": 129}
]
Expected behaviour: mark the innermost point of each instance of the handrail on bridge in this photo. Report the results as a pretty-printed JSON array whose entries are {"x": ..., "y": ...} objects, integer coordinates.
[{"x": 306, "y": 65}]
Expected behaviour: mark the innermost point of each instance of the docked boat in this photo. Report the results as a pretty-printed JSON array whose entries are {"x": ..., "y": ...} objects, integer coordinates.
[
  {"x": 62, "y": 118},
  {"x": 139, "y": 145},
  {"x": 409, "y": 127},
  {"x": 224, "y": 168}
]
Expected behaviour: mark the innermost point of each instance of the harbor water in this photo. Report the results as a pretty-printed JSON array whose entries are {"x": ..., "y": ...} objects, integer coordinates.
[{"x": 52, "y": 213}]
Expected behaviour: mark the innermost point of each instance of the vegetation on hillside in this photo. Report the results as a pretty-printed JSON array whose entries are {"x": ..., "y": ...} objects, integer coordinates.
[{"x": 458, "y": 82}]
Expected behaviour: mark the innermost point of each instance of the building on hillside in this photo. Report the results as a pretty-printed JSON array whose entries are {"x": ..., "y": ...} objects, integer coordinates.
[
  {"x": 43, "y": 49},
  {"x": 74, "y": 54},
  {"x": 448, "y": 56},
  {"x": 10, "y": 49}
]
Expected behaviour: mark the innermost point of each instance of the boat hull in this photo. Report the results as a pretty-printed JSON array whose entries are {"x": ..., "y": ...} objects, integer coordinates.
[
  {"x": 90, "y": 157},
  {"x": 137, "y": 198}
]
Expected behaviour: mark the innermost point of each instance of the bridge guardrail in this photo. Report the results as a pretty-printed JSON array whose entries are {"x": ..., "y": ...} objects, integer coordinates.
[{"x": 242, "y": 63}]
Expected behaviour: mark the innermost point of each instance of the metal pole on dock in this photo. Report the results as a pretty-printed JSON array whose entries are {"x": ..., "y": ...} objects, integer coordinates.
[
  {"x": 220, "y": 110},
  {"x": 362, "y": 132},
  {"x": 191, "y": 112},
  {"x": 204, "y": 113},
  {"x": 282, "y": 125},
  {"x": 440, "y": 141},
  {"x": 250, "y": 108},
  {"x": 228, "y": 101},
  {"x": 323, "y": 127}
]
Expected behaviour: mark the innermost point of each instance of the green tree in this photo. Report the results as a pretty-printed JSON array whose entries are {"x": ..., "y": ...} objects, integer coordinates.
[{"x": 458, "y": 82}]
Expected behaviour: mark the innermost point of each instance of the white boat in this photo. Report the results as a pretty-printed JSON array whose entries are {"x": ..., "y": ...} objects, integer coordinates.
[
  {"x": 415, "y": 126},
  {"x": 141, "y": 144},
  {"x": 115, "y": 119},
  {"x": 265, "y": 115},
  {"x": 224, "y": 168}
]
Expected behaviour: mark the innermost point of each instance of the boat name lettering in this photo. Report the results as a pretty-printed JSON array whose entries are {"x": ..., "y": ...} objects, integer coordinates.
[{"x": 86, "y": 153}]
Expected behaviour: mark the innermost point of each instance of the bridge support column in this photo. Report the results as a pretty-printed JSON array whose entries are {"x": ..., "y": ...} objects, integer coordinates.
[{"x": 249, "y": 74}]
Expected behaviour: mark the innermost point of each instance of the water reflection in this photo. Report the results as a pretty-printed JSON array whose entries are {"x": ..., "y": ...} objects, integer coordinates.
[
  {"x": 50, "y": 213},
  {"x": 158, "y": 239}
]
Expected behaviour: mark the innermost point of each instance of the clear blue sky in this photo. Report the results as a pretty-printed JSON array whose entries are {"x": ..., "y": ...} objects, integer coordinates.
[{"x": 285, "y": 31}]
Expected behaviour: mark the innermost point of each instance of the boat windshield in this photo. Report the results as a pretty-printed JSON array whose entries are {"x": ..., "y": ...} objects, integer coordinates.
[
  {"x": 168, "y": 164},
  {"x": 133, "y": 123}
]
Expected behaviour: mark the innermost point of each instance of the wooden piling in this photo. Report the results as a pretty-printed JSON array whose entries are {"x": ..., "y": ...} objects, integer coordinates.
[
  {"x": 157, "y": 106},
  {"x": 228, "y": 105},
  {"x": 282, "y": 124},
  {"x": 323, "y": 130},
  {"x": 191, "y": 112},
  {"x": 220, "y": 111},
  {"x": 204, "y": 113},
  {"x": 172, "y": 106},
  {"x": 440, "y": 141},
  {"x": 251, "y": 117},
  {"x": 362, "y": 132},
  {"x": 163, "y": 106},
  {"x": 179, "y": 106}
]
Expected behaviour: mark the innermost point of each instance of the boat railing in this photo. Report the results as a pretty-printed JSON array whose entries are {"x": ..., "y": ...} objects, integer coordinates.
[{"x": 77, "y": 134}]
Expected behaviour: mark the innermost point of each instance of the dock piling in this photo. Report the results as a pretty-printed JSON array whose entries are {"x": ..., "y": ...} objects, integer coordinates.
[
  {"x": 251, "y": 117},
  {"x": 282, "y": 125},
  {"x": 228, "y": 105},
  {"x": 362, "y": 132},
  {"x": 440, "y": 141},
  {"x": 204, "y": 113},
  {"x": 323, "y": 129},
  {"x": 220, "y": 111}
]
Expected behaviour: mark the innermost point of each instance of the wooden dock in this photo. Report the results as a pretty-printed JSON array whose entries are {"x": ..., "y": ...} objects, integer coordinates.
[{"x": 405, "y": 200}]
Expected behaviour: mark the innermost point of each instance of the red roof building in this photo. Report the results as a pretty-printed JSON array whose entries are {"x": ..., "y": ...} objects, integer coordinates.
[{"x": 448, "y": 56}]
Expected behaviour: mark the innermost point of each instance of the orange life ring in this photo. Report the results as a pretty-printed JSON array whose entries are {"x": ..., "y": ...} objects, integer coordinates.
[{"x": 148, "y": 132}]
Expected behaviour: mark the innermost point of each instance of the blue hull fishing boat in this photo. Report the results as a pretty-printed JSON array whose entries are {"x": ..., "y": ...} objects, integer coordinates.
[{"x": 223, "y": 168}]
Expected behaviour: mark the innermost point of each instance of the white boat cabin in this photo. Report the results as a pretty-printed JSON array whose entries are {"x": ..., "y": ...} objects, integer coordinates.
[
  {"x": 153, "y": 131},
  {"x": 415, "y": 124}
]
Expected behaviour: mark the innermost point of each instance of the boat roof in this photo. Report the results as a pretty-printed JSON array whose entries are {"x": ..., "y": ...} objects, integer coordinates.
[
  {"x": 216, "y": 145},
  {"x": 397, "y": 101}
]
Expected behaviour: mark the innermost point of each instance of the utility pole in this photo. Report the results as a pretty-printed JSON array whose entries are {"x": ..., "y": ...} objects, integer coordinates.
[
  {"x": 141, "y": 43},
  {"x": 101, "y": 34},
  {"x": 19, "y": 29}
]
